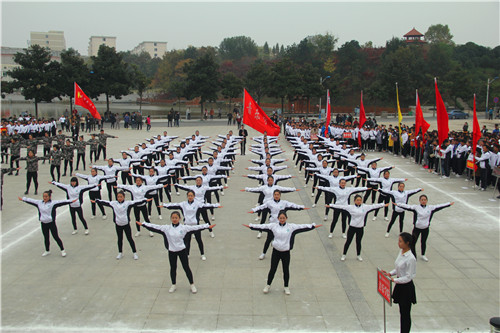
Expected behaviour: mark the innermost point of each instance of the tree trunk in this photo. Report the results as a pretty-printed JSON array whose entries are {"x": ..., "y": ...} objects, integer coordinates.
[
  {"x": 201, "y": 104},
  {"x": 179, "y": 102},
  {"x": 107, "y": 102},
  {"x": 140, "y": 102},
  {"x": 36, "y": 109},
  {"x": 282, "y": 105},
  {"x": 71, "y": 103}
]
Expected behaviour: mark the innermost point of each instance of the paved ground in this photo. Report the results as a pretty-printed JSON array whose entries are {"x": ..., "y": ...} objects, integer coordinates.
[{"x": 90, "y": 291}]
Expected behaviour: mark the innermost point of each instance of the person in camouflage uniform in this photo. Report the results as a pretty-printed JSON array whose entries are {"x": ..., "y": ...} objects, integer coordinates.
[
  {"x": 80, "y": 151},
  {"x": 15, "y": 153},
  {"x": 93, "y": 147},
  {"x": 102, "y": 137},
  {"x": 56, "y": 156},
  {"x": 31, "y": 144},
  {"x": 60, "y": 138},
  {"x": 47, "y": 144},
  {"x": 68, "y": 155},
  {"x": 32, "y": 170},
  {"x": 4, "y": 171}
]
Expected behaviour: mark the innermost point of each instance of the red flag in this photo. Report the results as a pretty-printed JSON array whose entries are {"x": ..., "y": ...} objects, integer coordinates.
[
  {"x": 328, "y": 112},
  {"x": 256, "y": 118},
  {"x": 476, "y": 131},
  {"x": 420, "y": 122},
  {"x": 442, "y": 116},
  {"x": 82, "y": 100},
  {"x": 362, "y": 118}
]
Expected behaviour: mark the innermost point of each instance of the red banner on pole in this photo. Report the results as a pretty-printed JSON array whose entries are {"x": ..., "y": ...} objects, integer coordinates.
[
  {"x": 362, "y": 118},
  {"x": 442, "y": 116},
  {"x": 82, "y": 100},
  {"x": 256, "y": 118},
  {"x": 476, "y": 131},
  {"x": 384, "y": 286}
]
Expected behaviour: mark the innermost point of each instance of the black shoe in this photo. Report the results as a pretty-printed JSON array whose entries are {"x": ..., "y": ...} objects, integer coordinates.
[
  {"x": 17, "y": 173},
  {"x": 26, "y": 192},
  {"x": 77, "y": 169},
  {"x": 36, "y": 192},
  {"x": 64, "y": 175}
]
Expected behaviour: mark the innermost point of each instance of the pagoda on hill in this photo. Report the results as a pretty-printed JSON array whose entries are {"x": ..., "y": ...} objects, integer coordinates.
[{"x": 414, "y": 37}]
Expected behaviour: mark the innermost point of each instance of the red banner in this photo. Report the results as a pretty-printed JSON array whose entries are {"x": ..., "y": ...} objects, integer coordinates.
[
  {"x": 82, "y": 100},
  {"x": 420, "y": 122},
  {"x": 362, "y": 118},
  {"x": 476, "y": 131},
  {"x": 442, "y": 116},
  {"x": 256, "y": 118},
  {"x": 384, "y": 286},
  {"x": 347, "y": 135}
]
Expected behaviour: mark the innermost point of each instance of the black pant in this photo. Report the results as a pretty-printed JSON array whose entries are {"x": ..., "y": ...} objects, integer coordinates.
[
  {"x": 242, "y": 147},
  {"x": 94, "y": 153},
  {"x": 70, "y": 162},
  {"x": 99, "y": 149},
  {"x": 285, "y": 264},
  {"x": 336, "y": 214},
  {"x": 58, "y": 169},
  {"x": 393, "y": 219},
  {"x": 385, "y": 199},
  {"x": 269, "y": 239},
  {"x": 82, "y": 157},
  {"x": 128, "y": 232},
  {"x": 111, "y": 188},
  {"x": 373, "y": 186},
  {"x": 183, "y": 257},
  {"x": 14, "y": 158},
  {"x": 350, "y": 235},
  {"x": 29, "y": 176},
  {"x": 126, "y": 178},
  {"x": 423, "y": 243},
  {"x": 405, "y": 316},
  {"x": 96, "y": 195},
  {"x": 137, "y": 213},
  {"x": 197, "y": 235},
  {"x": 156, "y": 200},
  {"x": 46, "y": 227},
  {"x": 73, "y": 211}
]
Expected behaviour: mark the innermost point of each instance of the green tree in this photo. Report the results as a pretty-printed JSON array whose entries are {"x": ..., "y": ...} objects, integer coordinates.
[
  {"x": 265, "y": 50},
  {"x": 73, "y": 69},
  {"x": 111, "y": 76},
  {"x": 235, "y": 48},
  {"x": 232, "y": 87},
  {"x": 140, "y": 82},
  {"x": 284, "y": 80},
  {"x": 439, "y": 33},
  {"x": 256, "y": 80},
  {"x": 37, "y": 77},
  {"x": 202, "y": 79},
  {"x": 309, "y": 81}
]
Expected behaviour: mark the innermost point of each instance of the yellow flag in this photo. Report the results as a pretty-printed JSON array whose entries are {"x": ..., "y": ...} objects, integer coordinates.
[{"x": 400, "y": 116}]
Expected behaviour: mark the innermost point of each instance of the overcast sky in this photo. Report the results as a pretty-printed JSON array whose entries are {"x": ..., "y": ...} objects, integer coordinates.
[{"x": 208, "y": 23}]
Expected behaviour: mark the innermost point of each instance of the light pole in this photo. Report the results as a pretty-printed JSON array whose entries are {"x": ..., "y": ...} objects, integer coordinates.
[
  {"x": 488, "y": 94},
  {"x": 321, "y": 80}
]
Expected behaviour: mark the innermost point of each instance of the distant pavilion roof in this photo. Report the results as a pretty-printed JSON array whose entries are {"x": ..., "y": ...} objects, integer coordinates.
[{"x": 413, "y": 33}]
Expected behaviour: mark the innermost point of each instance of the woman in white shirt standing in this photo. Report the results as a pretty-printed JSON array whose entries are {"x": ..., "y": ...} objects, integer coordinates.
[
  {"x": 284, "y": 236},
  {"x": 405, "y": 271},
  {"x": 174, "y": 236}
]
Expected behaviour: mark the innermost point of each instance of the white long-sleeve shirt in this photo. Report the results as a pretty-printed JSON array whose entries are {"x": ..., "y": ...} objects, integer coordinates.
[
  {"x": 406, "y": 267},
  {"x": 423, "y": 214},
  {"x": 386, "y": 183},
  {"x": 46, "y": 210},
  {"x": 199, "y": 191},
  {"x": 283, "y": 234},
  {"x": 341, "y": 195},
  {"x": 275, "y": 207},
  {"x": 268, "y": 191},
  {"x": 75, "y": 192},
  {"x": 139, "y": 192},
  {"x": 110, "y": 171},
  {"x": 189, "y": 209},
  {"x": 94, "y": 180},
  {"x": 121, "y": 210},
  {"x": 400, "y": 197},
  {"x": 357, "y": 213},
  {"x": 174, "y": 234}
]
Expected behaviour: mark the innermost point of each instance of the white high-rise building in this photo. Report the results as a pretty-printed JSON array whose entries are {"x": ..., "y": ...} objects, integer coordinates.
[
  {"x": 96, "y": 41},
  {"x": 155, "y": 49},
  {"x": 53, "y": 40}
]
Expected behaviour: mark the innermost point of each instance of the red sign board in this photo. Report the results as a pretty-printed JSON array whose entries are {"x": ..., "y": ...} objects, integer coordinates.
[
  {"x": 384, "y": 286},
  {"x": 347, "y": 135},
  {"x": 471, "y": 165}
]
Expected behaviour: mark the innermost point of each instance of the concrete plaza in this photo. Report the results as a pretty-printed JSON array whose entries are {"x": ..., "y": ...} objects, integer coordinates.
[{"x": 91, "y": 291}]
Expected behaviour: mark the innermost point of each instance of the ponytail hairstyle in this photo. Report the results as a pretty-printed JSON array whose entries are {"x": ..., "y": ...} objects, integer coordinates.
[
  {"x": 423, "y": 196},
  {"x": 74, "y": 179},
  {"x": 120, "y": 192},
  {"x": 357, "y": 196},
  {"x": 191, "y": 191},
  {"x": 49, "y": 193},
  {"x": 406, "y": 237}
]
